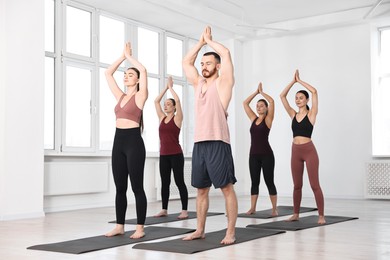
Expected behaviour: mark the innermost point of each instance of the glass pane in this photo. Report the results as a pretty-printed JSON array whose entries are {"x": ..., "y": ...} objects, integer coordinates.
[
  {"x": 112, "y": 39},
  {"x": 78, "y": 110},
  {"x": 78, "y": 31},
  {"x": 107, "y": 103},
  {"x": 49, "y": 104},
  {"x": 174, "y": 57},
  {"x": 151, "y": 122},
  {"x": 385, "y": 52},
  {"x": 49, "y": 25},
  {"x": 148, "y": 50}
]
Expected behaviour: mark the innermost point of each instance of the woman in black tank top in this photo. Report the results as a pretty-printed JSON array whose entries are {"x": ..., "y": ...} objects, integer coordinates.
[
  {"x": 303, "y": 149},
  {"x": 261, "y": 156}
]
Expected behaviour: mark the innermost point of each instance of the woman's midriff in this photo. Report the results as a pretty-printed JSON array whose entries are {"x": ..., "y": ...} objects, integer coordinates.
[
  {"x": 126, "y": 123},
  {"x": 301, "y": 140}
]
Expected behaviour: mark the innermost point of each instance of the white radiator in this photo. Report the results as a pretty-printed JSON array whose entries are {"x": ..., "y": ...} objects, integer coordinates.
[
  {"x": 65, "y": 178},
  {"x": 174, "y": 191},
  {"x": 377, "y": 183}
]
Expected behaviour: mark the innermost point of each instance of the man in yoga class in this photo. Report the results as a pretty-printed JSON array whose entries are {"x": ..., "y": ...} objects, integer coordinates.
[{"x": 212, "y": 160}]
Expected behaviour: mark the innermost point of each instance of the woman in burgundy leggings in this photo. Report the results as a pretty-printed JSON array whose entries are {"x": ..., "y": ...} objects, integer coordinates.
[{"x": 303, "y": 149}]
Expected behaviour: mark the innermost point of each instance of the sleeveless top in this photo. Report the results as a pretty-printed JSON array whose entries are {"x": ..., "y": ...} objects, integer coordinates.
[
  {"x": 259, "y": 139},
  {"x": 210, "y": 116},
  {"x": 303, "y": 128},
  {"x": 129, "y": 111},
  {"x": 169, "y": 138}
]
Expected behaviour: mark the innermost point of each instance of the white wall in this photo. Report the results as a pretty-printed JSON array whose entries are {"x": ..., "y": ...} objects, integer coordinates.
[
  {"x": 337, "y": 63},
  {"x": 21, "y": 108},
  {"x": 99, "y": 199}
]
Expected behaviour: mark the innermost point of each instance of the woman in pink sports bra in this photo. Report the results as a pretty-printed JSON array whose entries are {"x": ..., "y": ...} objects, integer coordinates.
[
  {"x": 303, "y": 149},
  {"x": 128, "y": 152},
  {"x": 171, "y": 154}
]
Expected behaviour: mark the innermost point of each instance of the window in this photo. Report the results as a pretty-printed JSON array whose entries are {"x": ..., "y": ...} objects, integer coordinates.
[
  {"x": 151, "y": 122},
  {"x": 148, "y": 49},
  {"x": 78, "y": 31},
  {"x": 112, "y": 39},
  {"x": 174, "y": 57},
  {"x": 79, "y": 106},
  {"x": 380, "y": 97}
]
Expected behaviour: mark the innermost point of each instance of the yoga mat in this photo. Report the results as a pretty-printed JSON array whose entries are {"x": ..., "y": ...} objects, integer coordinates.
[
  {"x": 211, "y": 241},
  {"x": 90, "y": 244},
  {"x": 302, "y": 223},
  {"x": 169, "y": 218},
  {"x": 282, "y": 211}
]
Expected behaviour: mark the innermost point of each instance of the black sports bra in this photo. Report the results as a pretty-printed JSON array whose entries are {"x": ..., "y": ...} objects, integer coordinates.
[{"x": 303, "y": 128}]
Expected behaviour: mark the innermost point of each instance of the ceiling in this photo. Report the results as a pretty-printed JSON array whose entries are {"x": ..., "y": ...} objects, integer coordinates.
[{"x": 245, "y": 19}]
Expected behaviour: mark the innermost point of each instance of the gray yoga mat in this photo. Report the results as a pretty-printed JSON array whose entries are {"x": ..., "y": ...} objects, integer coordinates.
[
  {"x": 169, "y": 218},
  {"x": 90, "y": 244},
  {"x": 211, "y": 241},
  {"x": 282, "y": 211},
  {"x": 302, "y": 223}
]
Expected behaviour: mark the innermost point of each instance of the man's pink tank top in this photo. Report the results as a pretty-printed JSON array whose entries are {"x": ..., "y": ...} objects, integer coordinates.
[{"x": 210, "y": 116}]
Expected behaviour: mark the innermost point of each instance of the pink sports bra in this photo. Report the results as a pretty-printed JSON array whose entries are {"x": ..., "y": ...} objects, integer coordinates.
[{"x": 129, "y": 111}]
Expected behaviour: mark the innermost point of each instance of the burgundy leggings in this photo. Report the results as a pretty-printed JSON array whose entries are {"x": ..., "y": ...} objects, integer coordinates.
[{"x": 300, "y": 154}]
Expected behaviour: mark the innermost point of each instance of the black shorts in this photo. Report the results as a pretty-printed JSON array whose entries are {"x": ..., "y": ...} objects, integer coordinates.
[{"x": 212, "y": 163}]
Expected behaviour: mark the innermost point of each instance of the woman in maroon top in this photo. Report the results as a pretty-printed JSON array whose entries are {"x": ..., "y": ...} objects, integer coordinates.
[
  {"x": 171, "y": 154},
  {"x": 261, "y": 156}
]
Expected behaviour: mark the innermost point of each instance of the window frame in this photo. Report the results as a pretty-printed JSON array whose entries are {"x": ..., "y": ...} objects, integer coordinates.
[{"x": 62, "y": 59}]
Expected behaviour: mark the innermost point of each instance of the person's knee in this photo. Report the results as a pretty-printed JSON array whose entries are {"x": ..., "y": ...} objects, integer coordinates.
[
  {"x": 203, "y": 192},
  {"x": 228, "y": 189}
]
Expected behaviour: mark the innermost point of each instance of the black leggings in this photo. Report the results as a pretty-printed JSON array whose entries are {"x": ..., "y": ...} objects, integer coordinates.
[
  {"x": 176, "y": 163},
  {"x": 128, "y": 159},
  {"x": 267, "y": 163}
]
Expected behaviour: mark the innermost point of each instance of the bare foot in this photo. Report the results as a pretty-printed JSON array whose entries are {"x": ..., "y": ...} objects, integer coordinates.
[
  {"x": 228, "y": 240},
  {"x": 183, "y": 215},
  {"x": 162, "y": 213},
  {"x": 321, "y": 220},
  {"x": 274, "y": 213},
  {"x": 294, "y": 217},
  {"x": 139, "y": 232},
  {"x": 118, "y": 230},
  {"x": 194, "y": 236},
  {"x": 250, "y": 212}
]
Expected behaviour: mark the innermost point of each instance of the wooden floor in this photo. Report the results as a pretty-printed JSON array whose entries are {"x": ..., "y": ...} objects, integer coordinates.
[{"x": 366, "y": 238}]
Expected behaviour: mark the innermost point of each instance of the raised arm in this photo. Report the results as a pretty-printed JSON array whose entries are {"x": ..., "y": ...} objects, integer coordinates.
[
  {"x": 225, "y": 80},
  {"x": 249, "y": 112},
  {"x": 314, "y": 98},
  {"x": 226, "y": 71},
  {"x": 188, "y": 62},
  {"x": 179, "y": 112},
  {"x": 157, "y": 103},
  {"x": 283, "y": 96},
  {"x": 271, "y": 106},
  {"x": 109, "y": 73},
  {"x": 142, "y": 94}
]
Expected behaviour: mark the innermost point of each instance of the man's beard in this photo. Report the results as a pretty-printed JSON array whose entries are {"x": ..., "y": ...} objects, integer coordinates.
[{"x": 208, "y": 74}]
